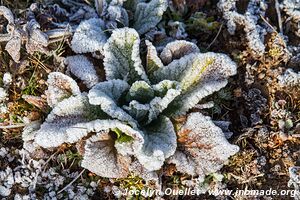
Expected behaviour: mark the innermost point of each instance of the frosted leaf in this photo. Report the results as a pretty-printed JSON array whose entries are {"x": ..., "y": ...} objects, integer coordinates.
[
  {"x": 165, "y": 92},
  {"x": 177, "y": 29},
  {"x": 106, "y": 94},
  {"x": 122, "y": 56},
  {"x": 37, "y": 40},
  {"x": 168, "y": 90},
  {"x": 137, "y": 110},
  {"x": 153, "y": 61},
  {"x": 148, "y": 15},
  {"x": 28, "y": 137},
  {"x": 65, "y": 114},
  {"x": 127, "y": 139},
  {"x": 199, "y": 74},
  {"x": 89, "y": 36},
  {"x": 292, "y": 10},
  {"x": 13, "y": 46},
  {"x": 101, "y": 157},
  {"x": 249, "y": 21},
  {"x": 30, "y": 130},
  {"x": 117, "y": 15},
  {"x": 60, "y": 87},
  {"x": 140, "y": 91},
  {"x": 289, "y": 79},
  {"x": 13, "y": 37},
  {"x": 7, "y": 14},
  {"x": 177, "y": 49},
  {"x": 160, "y": 143},
  {"x": 202, "y": 147},
  {"x": 83, "y": 69}
]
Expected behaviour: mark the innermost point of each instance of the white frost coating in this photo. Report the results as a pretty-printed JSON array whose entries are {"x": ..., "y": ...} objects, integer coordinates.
[
  {"x": 140, "y": 170},
  {"x": 122, "y": 56},
  {"x": 292, "y": 9},
  {"x": 289, "y": 79},
  {"x": 80, "y": 130},
  {"x": 177, "y": 49},
  {"x": 89, "y": 36},
  {"x": 37, "y": 40},
  {"x": 200, "y": 74},
  {"x": 204, "y": 147},
  {"x": 137, "y": 110},
  {"x": 141, "y": 91},
  {"x": 7, "y": 14},
  {"x": 254, "y": 32},
  {"x": 28, "y": 136},
  {"x": 117, "y": 14},
  {"x": 159, "y": 104},
  {"x": 83, "y": 69},
  {"x": 106, "y": 94},
  {"x": 153, "y": 61},
  {"x": 7, "y": 79},
  {"x": 30, "y": 130},
  {"x": 149, "y": 111},
  {"x": 3, "y": 95},
  {"x": 13, "y": 37},
  {"x": 160, "y": 143},
  {"x": 102, "y": 158},
  {"x": 294, "y": 181},
  {"x": 60, "y": 87},
  {"x": 64, "y": 115},
  {"x": 148, "y": 15}
]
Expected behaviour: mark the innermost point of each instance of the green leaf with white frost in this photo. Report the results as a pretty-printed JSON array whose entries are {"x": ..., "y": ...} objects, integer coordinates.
[
  {"x": 199, "y": 74},
  {"x": 116, "y": 129},
  {"x": 140, "y": 91},
  {"x": 106, "y": 95},
  {"x": 148, "y": 15},
  {"x": 152, "y": 59},
  {"x": 159, "y": 143},
  {"x": 65, "y": 114},
  {"x": 89, "y": 36},
  {"x": 122, "y": 56}
]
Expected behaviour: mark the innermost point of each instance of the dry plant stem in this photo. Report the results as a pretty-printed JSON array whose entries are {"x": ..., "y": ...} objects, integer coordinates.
[
  {"x": 43, "y": 167},
  {"x": 219, "y": 31},
  {"x": 71, "y": 182},
  {"x": 12, "y": 126},
  {"x": 278, "y": 16}
]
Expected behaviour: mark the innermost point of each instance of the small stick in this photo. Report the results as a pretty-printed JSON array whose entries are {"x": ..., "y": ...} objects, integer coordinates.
[
  {"x": 219, "y": 31},
  {"x": 12, "y": 126},
  {"x": 60, "y": 191},
  {"x": 278, "y": 16}
]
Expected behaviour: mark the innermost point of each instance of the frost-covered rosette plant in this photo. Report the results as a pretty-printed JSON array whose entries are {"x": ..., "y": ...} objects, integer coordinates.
[{"x": 125, "y": 123}]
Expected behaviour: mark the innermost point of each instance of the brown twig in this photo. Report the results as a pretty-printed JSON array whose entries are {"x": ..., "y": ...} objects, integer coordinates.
[
  {"x": 219, "y": 31},
  {"x": 60, "y": 191},
  {"x": 278, "y": 16}
]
